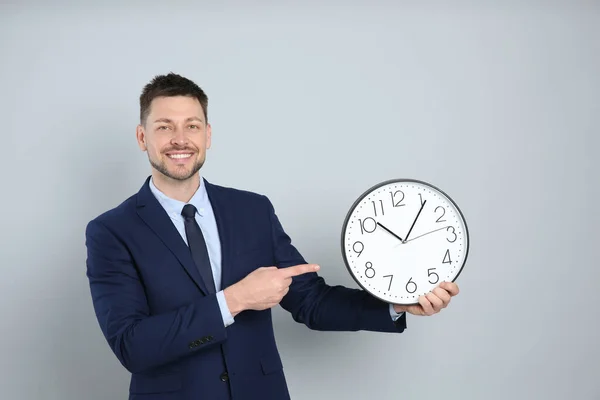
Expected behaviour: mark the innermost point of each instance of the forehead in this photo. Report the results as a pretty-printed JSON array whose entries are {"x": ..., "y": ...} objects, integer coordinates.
[{"x": 176, "y": 107}]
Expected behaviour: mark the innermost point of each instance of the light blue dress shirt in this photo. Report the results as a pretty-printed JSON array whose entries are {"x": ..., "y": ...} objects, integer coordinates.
[{"x": 206, "y": 220}]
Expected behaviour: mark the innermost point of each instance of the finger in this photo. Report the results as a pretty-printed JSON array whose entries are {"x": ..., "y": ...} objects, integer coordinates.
[
  {"x": 450, "y": 287},
  {"x": 426, "y": 305},
  {"x": 443, "y": 295},
  {"x": 435, "y": 301},
  {"x": 299, "y": 270}
]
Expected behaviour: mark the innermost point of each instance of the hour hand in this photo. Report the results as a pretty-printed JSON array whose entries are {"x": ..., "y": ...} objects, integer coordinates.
[{"x": 393, "y": 234}]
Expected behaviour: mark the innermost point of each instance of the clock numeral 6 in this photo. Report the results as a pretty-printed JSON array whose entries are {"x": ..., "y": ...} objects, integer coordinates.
[
  {"x": 369, "y": 267},
  {"x": 429, "y": 274},
  {"x": 410, "y": 281},
  {"x": 370, "y": 228},
  {"x": 454, "y": 233},
  {"x": 360, "y": 250}
]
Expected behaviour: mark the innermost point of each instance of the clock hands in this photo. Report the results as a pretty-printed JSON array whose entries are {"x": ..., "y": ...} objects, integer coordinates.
[
  {"x": 439, "y": 229},
  {"x": 393, "y": 234},
  {"x": 413, "y": 224}
]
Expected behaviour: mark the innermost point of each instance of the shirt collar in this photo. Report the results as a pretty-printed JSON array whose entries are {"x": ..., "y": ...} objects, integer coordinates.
[{"x": 173, "y": 207}]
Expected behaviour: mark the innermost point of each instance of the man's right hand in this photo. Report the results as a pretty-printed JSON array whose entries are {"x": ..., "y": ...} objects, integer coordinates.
[{"x": 263, "y": 288}]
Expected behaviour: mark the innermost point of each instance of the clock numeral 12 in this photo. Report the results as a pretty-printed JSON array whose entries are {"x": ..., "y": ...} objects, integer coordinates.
[{"x": 397, "y": 203}]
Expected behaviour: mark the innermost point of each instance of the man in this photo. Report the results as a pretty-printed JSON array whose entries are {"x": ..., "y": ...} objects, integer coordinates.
[{"x": 184, "y": 273}]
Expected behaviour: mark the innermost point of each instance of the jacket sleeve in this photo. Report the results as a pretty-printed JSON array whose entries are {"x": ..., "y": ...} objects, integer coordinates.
[
  {"x": 141, "y": 340},
  {"x": 321, "y": 307}
]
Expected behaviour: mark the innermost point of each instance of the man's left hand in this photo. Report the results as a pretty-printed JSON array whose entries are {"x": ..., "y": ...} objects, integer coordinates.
[{"x": 433, "y": 302}]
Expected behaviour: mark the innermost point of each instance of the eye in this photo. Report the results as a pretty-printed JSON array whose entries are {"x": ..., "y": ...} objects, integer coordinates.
[
  {"x": 194, "y": 127},
  {"x": 162, "y": 128}
]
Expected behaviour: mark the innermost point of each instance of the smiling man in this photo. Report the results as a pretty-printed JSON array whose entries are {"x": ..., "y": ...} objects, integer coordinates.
[{"x": 184, "y": 273}]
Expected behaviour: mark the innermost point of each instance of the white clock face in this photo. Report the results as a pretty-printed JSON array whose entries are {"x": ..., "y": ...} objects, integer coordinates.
[{"x": 402, "y": 238}]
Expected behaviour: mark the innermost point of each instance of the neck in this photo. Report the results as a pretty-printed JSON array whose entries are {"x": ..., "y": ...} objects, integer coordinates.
[{"x": 176, "y": 189}]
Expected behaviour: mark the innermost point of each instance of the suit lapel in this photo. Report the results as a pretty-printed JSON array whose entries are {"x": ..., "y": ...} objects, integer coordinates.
[
  {"x": 150, "y": 210},
  {"x": 219, "y": 204}
]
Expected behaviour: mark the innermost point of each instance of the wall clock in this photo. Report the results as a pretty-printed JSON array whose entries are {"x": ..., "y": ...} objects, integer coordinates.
[{"x": 401, "y": 238}]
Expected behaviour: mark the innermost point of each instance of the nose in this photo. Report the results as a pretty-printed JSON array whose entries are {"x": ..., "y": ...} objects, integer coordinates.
[{"x": 179, "y": 138}]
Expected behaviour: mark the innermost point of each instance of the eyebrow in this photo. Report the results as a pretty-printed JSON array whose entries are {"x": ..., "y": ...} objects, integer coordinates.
[{"x": 168, "y": 121}]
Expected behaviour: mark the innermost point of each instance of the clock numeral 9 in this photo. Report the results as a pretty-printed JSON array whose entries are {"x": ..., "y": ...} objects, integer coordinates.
[
  {"x": 429, "y": 274},
  {"x": 363, "y": 225},
  {"x": 410, "y": 281},
  {"x": 369, "y": 267},
  {"x": 362, "y": 247},
  {"x": 375, "y": 207},
  {"x": 455, "y": 237},
  {"x": 397, "y": 203}
]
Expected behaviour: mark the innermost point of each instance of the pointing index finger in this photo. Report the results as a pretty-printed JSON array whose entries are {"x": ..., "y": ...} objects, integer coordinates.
[{"x": 299, "y": 270}]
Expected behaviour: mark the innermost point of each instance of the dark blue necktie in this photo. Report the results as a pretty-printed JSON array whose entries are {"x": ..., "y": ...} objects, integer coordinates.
[{"x": 197, "y": 246}]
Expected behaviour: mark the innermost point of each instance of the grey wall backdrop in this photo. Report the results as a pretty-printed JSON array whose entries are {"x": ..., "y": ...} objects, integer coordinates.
[{"x": 497, "y": 103}]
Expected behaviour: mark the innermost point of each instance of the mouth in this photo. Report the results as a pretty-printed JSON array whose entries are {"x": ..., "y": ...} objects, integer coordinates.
[{"x": 179, "y": 156}]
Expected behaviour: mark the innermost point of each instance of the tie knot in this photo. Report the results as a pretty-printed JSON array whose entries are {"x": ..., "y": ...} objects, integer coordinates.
[{"x": 189, "y": 211}]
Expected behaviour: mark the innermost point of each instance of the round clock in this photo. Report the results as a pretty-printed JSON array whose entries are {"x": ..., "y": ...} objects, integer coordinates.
[{"x": 402, "y": 238}]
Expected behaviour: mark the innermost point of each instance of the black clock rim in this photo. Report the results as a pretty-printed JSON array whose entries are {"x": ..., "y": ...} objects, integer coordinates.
[{"x": 384, "y": 183}]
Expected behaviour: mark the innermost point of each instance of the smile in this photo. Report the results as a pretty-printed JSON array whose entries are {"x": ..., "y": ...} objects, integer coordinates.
[{"x": 179, "y": 156}]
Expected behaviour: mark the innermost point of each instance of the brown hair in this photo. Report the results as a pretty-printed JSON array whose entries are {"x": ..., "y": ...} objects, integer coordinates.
[{"x": 170, "y": 85}]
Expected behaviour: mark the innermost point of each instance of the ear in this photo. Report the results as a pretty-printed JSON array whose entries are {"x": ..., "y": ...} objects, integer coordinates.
[
  {"x": 140, "y": 134},
  {"x": 208, "y": 135}
]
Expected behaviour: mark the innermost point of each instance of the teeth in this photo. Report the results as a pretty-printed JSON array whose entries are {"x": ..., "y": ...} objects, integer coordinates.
[{"x": 180, "y": 155}]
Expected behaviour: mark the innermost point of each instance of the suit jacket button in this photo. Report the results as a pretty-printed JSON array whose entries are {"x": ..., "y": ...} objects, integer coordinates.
[{"x": 224, "y": 377}]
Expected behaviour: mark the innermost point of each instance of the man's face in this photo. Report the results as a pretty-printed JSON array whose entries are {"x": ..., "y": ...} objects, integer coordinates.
[{"x": 176, "y": 136}]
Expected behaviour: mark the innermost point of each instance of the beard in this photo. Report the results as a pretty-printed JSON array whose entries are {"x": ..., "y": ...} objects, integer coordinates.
[{"x": 181, "y": 174}]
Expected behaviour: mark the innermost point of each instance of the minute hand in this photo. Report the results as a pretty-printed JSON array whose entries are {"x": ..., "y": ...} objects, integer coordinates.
[
  {"x": 413, "y": 224},
  {"x": 439, "y": 229}
]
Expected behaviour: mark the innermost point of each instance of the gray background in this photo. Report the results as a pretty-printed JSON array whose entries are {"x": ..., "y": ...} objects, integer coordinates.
[{"x": 495, "y": 103}]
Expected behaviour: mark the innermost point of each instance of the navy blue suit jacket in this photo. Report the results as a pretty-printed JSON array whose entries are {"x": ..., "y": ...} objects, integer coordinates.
[{"x": 154, "y": 311}]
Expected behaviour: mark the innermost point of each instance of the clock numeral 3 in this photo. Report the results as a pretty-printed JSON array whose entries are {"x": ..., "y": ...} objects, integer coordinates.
[
  {"x": 429, "y": 274},
  {"x": 375, "y": 207},
  {"x": 371, "y": 226},
  {"x": 397, "y": 203},
  {"x": 410, "y": 281},
  {"x": 443, "y": 213},
  {"x": 447, "y": 256},
  {"x": 362, "y": 247},
  {"x": 391, "y": 278},
  {"x": 369, "y": 267},
  {"x": 454, "y": 240}
]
